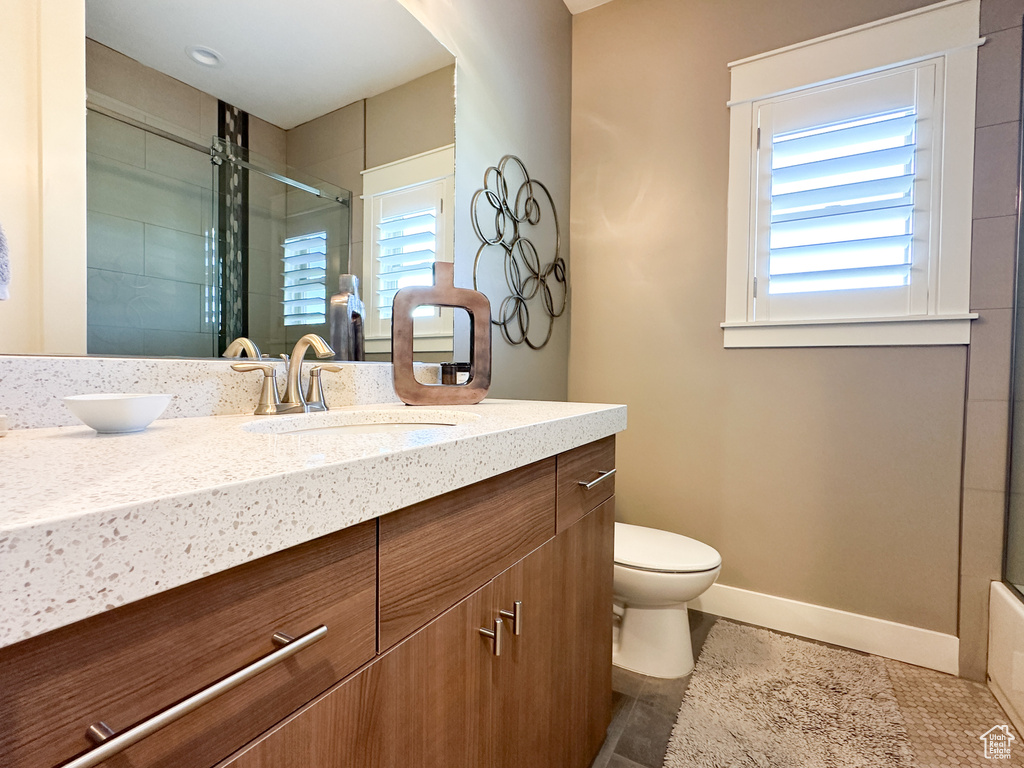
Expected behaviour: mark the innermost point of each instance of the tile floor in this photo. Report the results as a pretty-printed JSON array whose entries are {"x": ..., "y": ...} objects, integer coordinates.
[
  {"x": 644, "y": 709},
  {"x": 945, "y": 715}
]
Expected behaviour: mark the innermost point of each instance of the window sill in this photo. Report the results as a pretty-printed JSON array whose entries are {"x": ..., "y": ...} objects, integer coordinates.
[
  {"x": 865, "y": 332},
  {"x": 382, "y": 344}
]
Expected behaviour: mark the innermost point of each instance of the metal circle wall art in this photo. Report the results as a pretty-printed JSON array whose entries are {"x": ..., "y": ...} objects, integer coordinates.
[{"x": 517, "y": 212}]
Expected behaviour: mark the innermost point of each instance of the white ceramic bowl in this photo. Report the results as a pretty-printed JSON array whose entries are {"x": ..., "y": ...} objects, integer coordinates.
[{"x": 110, "y": 414}]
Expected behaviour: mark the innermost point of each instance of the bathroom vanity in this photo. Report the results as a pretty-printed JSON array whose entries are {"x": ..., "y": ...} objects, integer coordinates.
[{"x": 444, "y": 596}]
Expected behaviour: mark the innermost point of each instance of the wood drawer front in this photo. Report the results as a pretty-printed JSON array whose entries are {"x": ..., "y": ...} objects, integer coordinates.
[
  {"x": 437, "y": 552},
  {"x": 123, "y": 666},
  {"x": 423, "y": 704},
  {"x": 584, "y": 464}
]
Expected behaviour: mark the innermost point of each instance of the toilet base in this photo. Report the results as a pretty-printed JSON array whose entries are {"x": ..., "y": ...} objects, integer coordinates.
[{"x": 654, "y": 641}]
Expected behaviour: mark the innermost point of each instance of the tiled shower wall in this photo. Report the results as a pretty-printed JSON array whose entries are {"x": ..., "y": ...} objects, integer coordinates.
[
  {"x": 993, "y": 258},
  {"x": 266, "y": 233},
  {"x": 150, "y": 201},
  {"x": 149, "y": 211}
]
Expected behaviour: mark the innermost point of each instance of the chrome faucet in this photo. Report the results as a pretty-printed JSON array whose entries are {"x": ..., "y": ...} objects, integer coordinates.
[
  {"x": 242, "y": 344},
  {"x": 294, "y": 401}
]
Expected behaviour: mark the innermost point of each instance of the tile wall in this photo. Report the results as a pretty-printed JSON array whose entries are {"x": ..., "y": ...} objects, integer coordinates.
[
  {"x": 266, "y": 233},
  {"x": 993, "y": 257},
  {"x": 149, "y": 212}
]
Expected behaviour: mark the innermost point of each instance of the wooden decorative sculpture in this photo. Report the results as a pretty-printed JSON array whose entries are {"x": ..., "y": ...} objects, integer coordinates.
[{"x": 442, "y": 293}]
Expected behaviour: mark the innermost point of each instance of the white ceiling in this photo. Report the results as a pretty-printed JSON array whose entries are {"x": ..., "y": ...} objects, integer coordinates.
[
  {"x": 579, "y": 6},
  {"x": 285, "y": 61}
]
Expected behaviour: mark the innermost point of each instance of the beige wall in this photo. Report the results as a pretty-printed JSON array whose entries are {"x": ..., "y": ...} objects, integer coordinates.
[
  {"x": 412, "y": 118},
  {"x": 830, "y": 476},
  {"x": 42, "y": 175},
  {"x": 514, "y": 88}
]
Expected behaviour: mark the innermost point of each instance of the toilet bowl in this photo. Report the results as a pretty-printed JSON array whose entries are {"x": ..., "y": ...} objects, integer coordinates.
[{"x": 656, "y": 574}]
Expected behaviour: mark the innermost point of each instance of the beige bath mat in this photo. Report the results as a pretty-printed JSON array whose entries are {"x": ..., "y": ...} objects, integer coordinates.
[{"x": 765, "y": 700}]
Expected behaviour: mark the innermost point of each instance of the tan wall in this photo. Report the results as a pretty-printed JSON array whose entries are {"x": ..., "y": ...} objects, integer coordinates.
[
  {"x": 514, "y": 88},
  {"x": 412, "y": 118},
  {"x": 42, "y": 175},
  {"x": 830, "y": 476}
]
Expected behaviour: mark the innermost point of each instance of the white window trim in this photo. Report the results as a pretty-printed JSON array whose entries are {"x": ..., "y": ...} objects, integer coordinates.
[
  {"x": 949, "y": 30},
  {"x": 418, "y": 169}
]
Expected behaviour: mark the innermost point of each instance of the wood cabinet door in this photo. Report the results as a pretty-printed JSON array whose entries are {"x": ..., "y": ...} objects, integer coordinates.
[
  {"x": 585, "y": 564},
  {"x": 526, "y": 724},
  {"x": 554, "y": 678},
  {"x": 424, "y": 703}
]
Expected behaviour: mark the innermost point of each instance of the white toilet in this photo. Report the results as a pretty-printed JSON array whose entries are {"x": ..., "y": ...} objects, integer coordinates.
[{"x": 656, "y": 574}]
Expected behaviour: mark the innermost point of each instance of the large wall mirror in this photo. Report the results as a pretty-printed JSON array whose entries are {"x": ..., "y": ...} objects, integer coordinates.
[{"x": 227, "y": 147}]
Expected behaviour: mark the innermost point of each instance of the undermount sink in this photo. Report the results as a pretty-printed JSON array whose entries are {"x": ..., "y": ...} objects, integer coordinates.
[{"x": 360, "y": 422}]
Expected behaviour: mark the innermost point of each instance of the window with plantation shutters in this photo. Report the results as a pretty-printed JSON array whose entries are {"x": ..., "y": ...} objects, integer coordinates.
[
  {"x": 405, "y": 242},
  {"x": 407, "y": 227},
  {"x": 305, "y": 279},
  {"x": 843, "y": 197},
  {"x": 851, "y": 169}
]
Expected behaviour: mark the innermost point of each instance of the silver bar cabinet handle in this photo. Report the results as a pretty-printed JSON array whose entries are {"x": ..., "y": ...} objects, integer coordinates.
[
  {"x": 516, "y": 614},
  {"x": 600, "y": 477},
  {"x": 495, "y": 636},
  {"x": 111, "y": 743}
]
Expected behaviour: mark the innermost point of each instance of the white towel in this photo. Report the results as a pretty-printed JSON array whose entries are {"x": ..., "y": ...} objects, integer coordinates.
[{"x": 5, "y": 267}]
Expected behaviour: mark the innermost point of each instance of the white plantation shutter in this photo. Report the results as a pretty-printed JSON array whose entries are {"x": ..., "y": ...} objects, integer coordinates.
[
  {"x": 844, "y": 179},
  {"x": 407, "y": 226},
  {"x": 406, "y": 242},
  {"x": 305, "y": 279}
]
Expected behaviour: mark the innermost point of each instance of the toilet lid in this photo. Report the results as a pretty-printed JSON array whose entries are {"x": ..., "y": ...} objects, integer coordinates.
[{"x": 655, "y": 550}]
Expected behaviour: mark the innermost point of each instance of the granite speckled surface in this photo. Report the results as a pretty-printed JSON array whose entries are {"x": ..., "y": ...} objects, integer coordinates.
[
  {"x": 31, "y": 387},
  {"x": 89, "y": 522}
]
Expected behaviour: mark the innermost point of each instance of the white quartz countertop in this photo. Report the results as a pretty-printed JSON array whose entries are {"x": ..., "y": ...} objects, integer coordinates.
[{"x": 89, "y": 522}]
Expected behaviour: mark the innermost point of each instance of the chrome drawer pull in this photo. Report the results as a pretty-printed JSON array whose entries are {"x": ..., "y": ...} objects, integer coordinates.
[
  {"x": 600, "y": 477},
  {"x": 495, "y": 636},
  {"x": 516, "y": 615},
  {"x": 110, "y": 743}
]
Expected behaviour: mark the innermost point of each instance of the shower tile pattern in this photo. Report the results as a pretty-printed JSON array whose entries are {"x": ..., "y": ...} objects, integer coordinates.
[{"x": 149, "y": 268}]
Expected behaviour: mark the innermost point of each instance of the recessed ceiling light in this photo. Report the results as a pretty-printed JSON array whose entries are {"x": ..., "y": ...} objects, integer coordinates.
[{"x": 205, "y": 56}]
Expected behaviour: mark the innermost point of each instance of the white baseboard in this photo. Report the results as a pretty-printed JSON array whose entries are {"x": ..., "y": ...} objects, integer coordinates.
[{"x": 922, "y": 647}]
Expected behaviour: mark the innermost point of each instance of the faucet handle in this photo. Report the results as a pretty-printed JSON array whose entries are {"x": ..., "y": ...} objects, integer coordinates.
[
  {"x": 248, "y": 367},
  {"x": 269, "y": 399},
  {"x": 315, "y": 394}
]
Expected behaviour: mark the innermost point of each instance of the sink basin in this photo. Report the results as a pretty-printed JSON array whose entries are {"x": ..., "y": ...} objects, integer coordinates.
[
  {"x": 368, "y": 429},
  {"x": 393, "y": 420}
]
